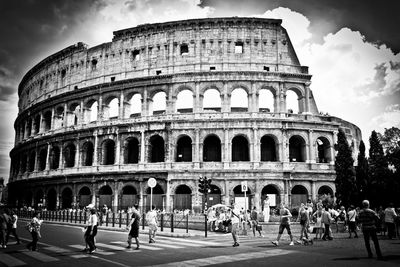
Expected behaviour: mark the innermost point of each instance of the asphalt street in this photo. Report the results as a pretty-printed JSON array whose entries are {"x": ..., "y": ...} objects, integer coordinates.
[{"x": 61, "y": 245}]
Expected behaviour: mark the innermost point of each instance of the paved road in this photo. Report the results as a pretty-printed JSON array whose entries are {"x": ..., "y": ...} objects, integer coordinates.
[{"x": 62, "y": 245}]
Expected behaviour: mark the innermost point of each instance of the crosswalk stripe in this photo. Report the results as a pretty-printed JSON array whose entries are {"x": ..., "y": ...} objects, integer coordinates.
[
  {"x": 208, "y": 243},
  {"x": 175, "y": 242},
  {"x": 58, "y": 250},
  {"x": 11, "y": 261},
  {"x": 39, "y": 256},
  {"x": 98, "y": 251},
  {"x": 110, "y": 246},
  {"x": 141, "y": 246},
  {"x": 166, "y": 245}
]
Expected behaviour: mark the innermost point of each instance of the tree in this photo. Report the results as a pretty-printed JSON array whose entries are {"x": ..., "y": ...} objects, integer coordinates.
[
  {"x": 378, "y": 172},
  {"x": 346, "y": 190},
  {"x": 391, "y": 145},
  {"x": 362, "y": 181}
]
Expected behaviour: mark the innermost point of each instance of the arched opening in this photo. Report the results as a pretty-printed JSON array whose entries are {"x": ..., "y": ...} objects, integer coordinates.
[
  {"x": 212, "y": 149},
  {"x": 183, "y": 198},
  {"x": 184, "y": 102},
  {"x": 135, "y": 106},
  {"x": 214, "y": 196},
  {"x": 240, "y": 149},
  {"x": 184, "y": 149},
  {"x": 69, "y": 156},
  {"x": 105, "y": 196},
  {"x": 47, "y": 120},
  {"x": 159, "y": 103},
  {"x": 24, "y": 160},
  {"x": 73, "y": 114},
  {"x": 273, "y": 196},
  {"x": 129, "y": 197},
  {"x": 39, "y": 199},
  {"x": 87, "y": 154},
  {"x": 323, "y": 150},
  {"x": 42, "y": 159},
  {"x": 91, "y": 111},
  {"x": 297, "y": 149},
  {"x": 212, "y": 100},
  {"x": 158, "y": 196},
  {"x": 268, "y": 148},
  {"x": 84, "y": 197},
  {"x": 32, "y": 159},
  {"x": 239, "y": 198},
  {"x": 59, "y": 118},
  {"x": 28, "y": 198},
  {"x": 299, "y": 195},
  {"x": 108, "y": 152},
  {"x": 131, "y": 151},
  {"x": 36, "y": 123},
  {"x": 29, "y": 128},
  {"x": 66, "y": 198},
  {"x": 325, "y": 190},
  {"x": 157, "y": 153},
  {"x": 111, "y": 108},
  {"x": 239, "y": 100},
  {"x": 292, "y": 102},
  {"x": 265, "y": 101},
  {"x": 52, "y": 199},
  {"x": 54, "y": 157}
]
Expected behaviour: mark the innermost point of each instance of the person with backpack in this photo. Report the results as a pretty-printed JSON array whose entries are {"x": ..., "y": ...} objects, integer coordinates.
[
  {"x": 34, "y": 228},
  {"x": 13, "y": 227},
  {"x": 151, "y": 219},
  {"x": 254, "y": 222},
  {"x": 235, "y": 220}
]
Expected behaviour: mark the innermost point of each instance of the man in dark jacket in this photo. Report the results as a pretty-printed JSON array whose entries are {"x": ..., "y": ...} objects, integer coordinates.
[{"x": 369, "y": 219}]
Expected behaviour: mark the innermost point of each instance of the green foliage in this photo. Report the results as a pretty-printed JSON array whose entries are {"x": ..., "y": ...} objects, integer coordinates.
[
  {"x": 391, "y": 145},
  {"x": 346, "y": 190},
  {"x": 362, "y": 181}
]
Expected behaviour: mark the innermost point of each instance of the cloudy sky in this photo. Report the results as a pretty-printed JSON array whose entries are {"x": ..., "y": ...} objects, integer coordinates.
[{"x": 351, "y": 47}]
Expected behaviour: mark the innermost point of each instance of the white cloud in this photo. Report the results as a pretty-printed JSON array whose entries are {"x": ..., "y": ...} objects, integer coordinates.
[{"x": 389, "y": 118}]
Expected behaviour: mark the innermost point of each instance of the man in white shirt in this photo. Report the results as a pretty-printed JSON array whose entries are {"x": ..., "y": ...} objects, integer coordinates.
[
  {"x": 351, "y": 215},
  {"x": 92, "y": 230},
  {"x": 235, "y": 213},
  {"x": 151, "y": 218}
]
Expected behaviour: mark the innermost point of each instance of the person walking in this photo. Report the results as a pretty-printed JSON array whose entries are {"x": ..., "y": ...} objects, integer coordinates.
[
  {"x": 254, "y": 222},
  {"x": 91, "y": 230},
  {"x": 235, "y": 220},
  {"x": 327, "y": 220},
  {"x": 368, "y": 220},
  {"x": 304, "y": 217},
  {"x": 285, "y": 216},
  {"x": 267, "y": 210},
  {"x": 134, "y": 227},
  {"x": 151, "y": 218},
  {"x": 34, "y": 228},
  {"x": 390, "y": 218},
  {"x": 13, "y": 228},
  {"x": 352, "y": 214}
]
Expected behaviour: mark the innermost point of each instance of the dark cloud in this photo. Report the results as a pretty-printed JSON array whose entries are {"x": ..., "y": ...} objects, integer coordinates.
[{"x": 378, "y": 21}]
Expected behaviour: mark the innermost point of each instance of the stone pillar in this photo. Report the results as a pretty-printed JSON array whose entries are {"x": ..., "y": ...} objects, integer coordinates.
[
  {"x": 307, "y": 97},
  {"x": 36, "y": 158},
  {"x": 142, "y": 147},
  {"x": 77, "y": 154},
  {"x": 311, "y": 150},
  {"x": 226, "y": 155},
  {"x": 53, "y": 115},
  {"x": 313, "y": 190},
  {"x": 65, "y": 119},
  {"x": 61, "y": 162},
  {"x": 100, "y": 109},
  {"x": 118, "y": 149},
  {"x": 121, "y": 105},
  {"x": 227, "y": 196},
  {"x": 168, "y": 198},
  {"x": 94, "y": 195},
  {"x": 41, "y": 124},
  {"x": 197, "y": 148},
  {"x": 95, "y": 149},
  {"x": 81, "y": 119},
  {"x": 285, "y": 147},
  {"x": 225, "y": 99},
  {"x": 48, "y": 157},
  {"x": 257, "y": 195},
  {"x": 115, "y": 205},
  {"x": 197, "y": 108},
  {"x": 145, "y": 109}
]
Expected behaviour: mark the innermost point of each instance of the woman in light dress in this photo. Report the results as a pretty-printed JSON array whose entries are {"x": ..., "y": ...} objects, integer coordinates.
[{"x": 266, "y": 209}]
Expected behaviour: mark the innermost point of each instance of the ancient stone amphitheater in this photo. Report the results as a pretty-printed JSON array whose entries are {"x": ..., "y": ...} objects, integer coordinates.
[{"x": 174, "y": 101}]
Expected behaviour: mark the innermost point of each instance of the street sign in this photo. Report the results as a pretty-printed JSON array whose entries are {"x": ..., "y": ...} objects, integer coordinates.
[
  {"x": 152, "y": 182},
  {"x": 244, "y": 186}
]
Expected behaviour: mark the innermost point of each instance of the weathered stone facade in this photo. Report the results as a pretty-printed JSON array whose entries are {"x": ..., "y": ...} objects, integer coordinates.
[{"x": 91, "y": 127}]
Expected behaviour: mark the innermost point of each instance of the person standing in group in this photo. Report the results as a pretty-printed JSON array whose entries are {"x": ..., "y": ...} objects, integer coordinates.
[
  {"x": 318, "y": 222},
  {"x": 235, "y": 220},
  {"x": 151, "y": 218},
  {"x": 211, "y": 217},
  {"x": 285, "y": 216},
  {"x": 34, "y": 228},
  {"x": 267, "y": 209},
  {"x": 327, "y": 220},
  {"x": 91, "y": 230},
  {"x": 254, "y": 222},
  {"x": 3, "y": 230},
  {"x": 134, "y": 227},
  {"x": 369, "y": 219},
  {"x": 351, "y": 215},
  {"x": 304, "y": 217},
  {"x": 390, "y": 218},
  {"x": 13, "y": 227}
]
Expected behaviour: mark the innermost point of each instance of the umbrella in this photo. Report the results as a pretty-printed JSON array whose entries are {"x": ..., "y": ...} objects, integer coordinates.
[{"x": 219, "y": 206}]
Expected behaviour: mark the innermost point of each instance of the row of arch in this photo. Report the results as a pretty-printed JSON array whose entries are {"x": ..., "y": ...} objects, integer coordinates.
[
  {"x": 128, "y": 196},
  {"x": 133, "y": 104},
  {"x": 67, "y": 156}
]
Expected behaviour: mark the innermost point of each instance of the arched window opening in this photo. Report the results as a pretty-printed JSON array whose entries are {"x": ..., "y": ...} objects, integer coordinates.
[
  {"x": 42, "y": 159},
  {"x": 92, "y": 111},
  {"x": 59, "y": 118},
  {"x": 212, "y": 100},
  {"x": 87, "y": 154},
  {"x": 268, "y": 149},
  {"x": 292, "y": 102},
  {"x": 297, "y": 149},
  {"x": 84, "y": 197},
  {"x": 29, "y": 128},
  {"x": 240, "y": 149},
  {"x": 239, "y": 100},
  {"x": 266, "y": 101},
  {"x": 66, "y": 198},
  {"x": 135, "y": 106},
  {"x": 159, "y": 103},
  {"x": 239, "y": 197},
  {"x": 73, "y": 114},
  {"x": 323, "y": 150},
  {"x": 183, "y": 198},
  {"x": 32, "y": 159},
  {"x": 24, "y": 160},
  {"x": 39, "y": 199},
  {"x": 131, "y": 151},
  {"x": 157, "y": 151},
  {"x": 214, "y": 196},
  {"x": 105, "y": 196},
  {"x": 273, "y": 196},
  {"x": 299, "y": 195},
  {"x": 37, "y": 124},
  {"x": 111, "y": 109},
  {"x": 184, "y": 149},
  {"x": 52, "y": 199},
  {"x": 108, "y": 152},
  {"x": 69, "y": 156},
  {"x": 184, "y": 102},
  {"x": 47, "y": 120},
  {"x": 54, "y": 158},
  {"x": 212, "y": 149},
  {"x": 325, "y": 190}
]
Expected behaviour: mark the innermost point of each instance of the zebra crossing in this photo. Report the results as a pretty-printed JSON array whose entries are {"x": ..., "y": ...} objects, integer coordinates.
[{"x": 48, "y": 253}]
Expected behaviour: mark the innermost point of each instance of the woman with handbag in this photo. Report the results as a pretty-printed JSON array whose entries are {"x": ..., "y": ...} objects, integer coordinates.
[
  {"x": 254, "y": 222},
  {"x": 34, "y": 228}
]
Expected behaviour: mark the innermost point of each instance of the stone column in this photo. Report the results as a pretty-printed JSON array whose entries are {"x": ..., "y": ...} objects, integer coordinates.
[
  {"x": 197, "y": 108},
  {"x": 115, "y": 201},
  {"x": 61, "y": 162},
  {"x": 77, "y": 154},
  {"x": 313, "y": 190},
  {"x": 95, "y": 149},
  {"x": 65, "y": 119},
  {"x": 257, "y": 195},
  {"x": 145, "y": 108},
  {"x": 121, "y": 105},
  {"x": 118, "y": 149},
  {"x": 94, "y": 195},
  {"x": 226, "y": 155},
  {"x": 81, "y": 119},
  {"x": 142, "y": 147},
  {"x": 53, "y": 114},
  {"x": 48, "y": 157},
  {"x": 311, "y": 151},
  {"x": 225, "y": 99},
  {"x": 227, "y": 196},
  {"x": 307, "y": 97},
  {"x": 41, "y": 124},
  {"x": 100, "y": 109},
  {"x": 168, "y": 199},
  {"x": 197, "y": 148}
]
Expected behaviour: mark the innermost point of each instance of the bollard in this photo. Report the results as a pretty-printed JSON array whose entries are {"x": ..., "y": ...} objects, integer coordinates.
[
  {"x": 205, "y": 225},
  {"x": 113, "y": 220},
  {"x": 127, "y": 219},
  {"x": 80, "y": 216},
  {"x": 187, "y": 223},
  {"x": 120, "y": 219},
  {"x": 172, "y": 222},
  {"x": 143, "y": 221},
  {"x": 63, "y": 215},
  {"x": 107, "y": 219},
  {"x": 162, "y": 222}
]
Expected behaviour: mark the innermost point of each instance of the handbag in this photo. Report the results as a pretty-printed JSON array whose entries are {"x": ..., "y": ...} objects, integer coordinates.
[
  {"x": 29, "y": 227},
  {"x": 258, "y": 227}
]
